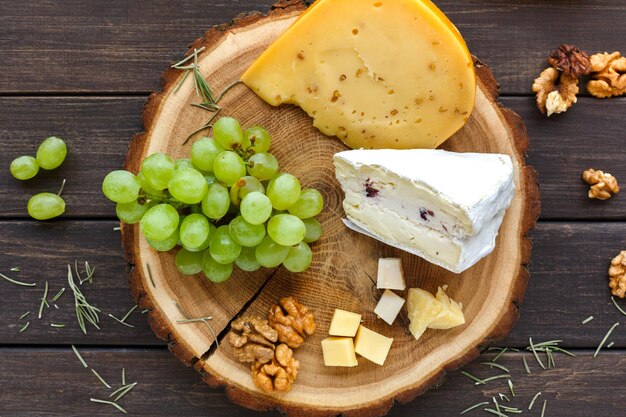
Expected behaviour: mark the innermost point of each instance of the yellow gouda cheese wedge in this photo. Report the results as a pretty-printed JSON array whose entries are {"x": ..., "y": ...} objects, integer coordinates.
[{"x": 375, "y": 73}]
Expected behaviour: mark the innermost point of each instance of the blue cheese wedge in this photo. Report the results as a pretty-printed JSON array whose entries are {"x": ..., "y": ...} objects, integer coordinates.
[{"x": 445, "y": 207}]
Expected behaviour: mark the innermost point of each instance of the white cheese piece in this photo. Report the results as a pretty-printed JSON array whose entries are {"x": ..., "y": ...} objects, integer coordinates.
[
  {"x": 389, "y": 306},
  {"x": 390, "y": 275},
  {"x": 443, "y": 206}
]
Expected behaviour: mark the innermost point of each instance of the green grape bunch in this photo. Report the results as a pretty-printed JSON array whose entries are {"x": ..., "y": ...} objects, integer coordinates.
[{"x": 226, "y": 206}]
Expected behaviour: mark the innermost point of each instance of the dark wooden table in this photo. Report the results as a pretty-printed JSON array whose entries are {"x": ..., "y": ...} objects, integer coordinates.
[{"x": 83, "y": 69}]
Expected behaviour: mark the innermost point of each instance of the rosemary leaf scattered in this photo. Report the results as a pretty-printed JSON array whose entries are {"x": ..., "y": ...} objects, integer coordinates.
[
  {"x": 186, "y": 315},
  {"x": 621, "y": 310},
  {"x": 473, "y": 378},
  {"x": 606, "y": 336},
  {"x": 125, "y": 390},
  {"x": 150, "y": 275},
  {"x": 532, "y": 348},
  {"x": 496, "y": 404},
  {"x": 511, "y": 387},
  {"x": 502, "y": 352},
  {"x": 58, "y": 295},
  {"x": 610, "y": 345},
  {"x": 513, "y": 410},
  {"x": 491, "y": 378},
  {"x": 495, "y": 412},
  {"x": 119, "y": 407},
  {"x": 100, "y": 378},
  {"x": 473, "y": 407},
  {"x": 120, "y": 321},
  {"x": 532, "y": 402},
  {"x": 194, "y": 320},
  {"x": 526, "y": 365},
  {"x": 147, "y": 310},
  {"x": 129, "y": 313},
  {"x": 543, "y": 409},
  {"x": 24, "y": 326},
  {"x": 43, "y": 300},
  {"x": 587, "y": 320},
  {"x": 503, "y": 397},
  {"x": 123, "y": 376},
  {"x": 84, "y": 310},
  {"x": 496, "y": 365},
  {"x": 117, "y": 229},
  {"x": 80, "y": 358},
  {"x": 15, "y": 269},
  {"x": 24, "y": 284},
  {"x": 58, "y": 326},
  {"x": 548, "y": 343},
  {"x": 24, "y": 315}
]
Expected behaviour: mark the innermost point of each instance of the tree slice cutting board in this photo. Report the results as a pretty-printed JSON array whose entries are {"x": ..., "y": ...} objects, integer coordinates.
[{"x": 344, "y": 266}]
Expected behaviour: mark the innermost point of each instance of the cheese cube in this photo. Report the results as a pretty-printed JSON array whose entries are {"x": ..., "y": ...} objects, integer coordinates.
[
  {"x": 423, "y": 310},
  {"x": 390, "y": 275},
  {"x": 339, "y": 351},
  {"x": 344, "y": 323},
  {"x": 450, "y": 315},
  {"x": 389, "y": 306},
  {"x": 372, "y": 345}
]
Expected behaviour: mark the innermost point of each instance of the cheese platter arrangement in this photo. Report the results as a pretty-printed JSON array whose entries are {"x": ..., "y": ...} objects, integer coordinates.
[{"x": 333, "y": 208}]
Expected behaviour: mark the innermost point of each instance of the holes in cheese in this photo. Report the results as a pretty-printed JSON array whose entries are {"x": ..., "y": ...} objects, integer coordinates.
[{"x": 386, "y": 74}]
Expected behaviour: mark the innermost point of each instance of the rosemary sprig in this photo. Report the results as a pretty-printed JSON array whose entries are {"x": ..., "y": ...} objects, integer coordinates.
[
  {"x": 119, "y": 407},
  {"x": 532, "y": 402},
  {"x": 100, "y": 378},
  {"x": 84, "y": 310},
  {"x": 24, "y": 327},
  {"x": 43, "y": 300},
  {"x": 24, "y": 315},
  {"x": 621, "y": 310},
  {"x": 587, "y": 320},
  {"x": 473, "y": 407},
  {"x": 606, "y": 336},
  {"x": 80, "y": 358},
  {"x": 24, "y": 284}
]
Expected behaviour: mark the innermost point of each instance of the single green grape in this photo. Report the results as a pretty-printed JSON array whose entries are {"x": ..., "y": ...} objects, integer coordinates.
[
  {"x": 299, "y": 258},
  {"x": 188, "y": 186},
  {"x": 243, "y": 187},
  {"x": 165, "y": 245},
  {"x": 189, "y": 263},
  {"x": 203, "y": 153},
  {"x": 228, "y": 133},
  {"x": 283, "y": 191},
  {"x": 158, "y": 169},
  {"x": 270, "y": 254},
  {"x": 263, "y": 166},
  {"x": 131, "y": 213},
  {"x": 24, "y": 167},
  {"x": 182, "y": 163},
  {"x": 51, "y": 153},
  {"x": 309, "y": 204},
  {"x": 256, "y": 140},
  {"x": 205, "y": 245},
  {"x": 147, "y": 188},
  {"x": 215, "y": 271},
  {"x": 244, "y": 233},
  {"x": 194, "y": 230},
  {"x": 121, "y": 186},
  {"x": 160, "y": 222},
  {"x": 256, "y": 208},
  {"x": 223, "y": 247},
  {"x": 313, "y": 230},
  {"x": 286, "y": 229},
  {"x": 228, "y": 167},
  {"x": 45, "y": 206},
  {"x": 216, "y": 202},
  {"x": 247, "y": 260}
]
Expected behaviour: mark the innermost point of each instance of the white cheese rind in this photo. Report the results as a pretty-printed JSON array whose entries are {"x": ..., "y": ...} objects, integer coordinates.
[{"x": 445, "y": 207}]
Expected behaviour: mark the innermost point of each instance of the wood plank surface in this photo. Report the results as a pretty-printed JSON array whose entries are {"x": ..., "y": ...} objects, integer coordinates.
[
  {"x": 98, "y": 131},
  {"x": 60, "y": 386},
  {"x": 568, "y": 283},
  {"x": 119, "y": 46}
]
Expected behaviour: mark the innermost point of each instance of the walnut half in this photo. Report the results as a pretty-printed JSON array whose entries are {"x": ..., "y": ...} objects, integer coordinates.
[
  {"x": 292, "y": 321},
  {"x": 556, "y": 91},
  {"x": 609, "y": 75},
  {"x": 279, "y": 374},
  {"x": 603, "y": 185},
  {"x": 252, "y": 339},
  {"x": 617, "y": 275}
]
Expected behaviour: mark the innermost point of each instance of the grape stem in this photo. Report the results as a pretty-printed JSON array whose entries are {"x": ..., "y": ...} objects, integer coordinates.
[{"x": 62, "y": 187}]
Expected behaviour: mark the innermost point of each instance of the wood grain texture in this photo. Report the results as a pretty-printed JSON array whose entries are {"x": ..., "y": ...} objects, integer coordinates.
[
  {"x": 577, "y": 387},
  {"x": 561, "y": 293},
  {"x": 341, "y": 258},
  {"x": 98, "y": 131},
  {"x": 117, "y": 46}
]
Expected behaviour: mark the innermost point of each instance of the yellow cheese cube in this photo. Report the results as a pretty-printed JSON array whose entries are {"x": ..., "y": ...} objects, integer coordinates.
[
  {"x": 339, "y": 351},
  {"x": 376, "y": 74},
  {"x": 344, "y": 323},
  {"x": 371, "y": 345},
  {"x": 423, "y": 308},
  {"x": 450, "y": 315},
  {"x": 390, "y": 274}
]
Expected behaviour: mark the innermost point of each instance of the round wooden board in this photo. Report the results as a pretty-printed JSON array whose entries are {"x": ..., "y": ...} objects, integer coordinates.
[{"x": 345, "y": 263}]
